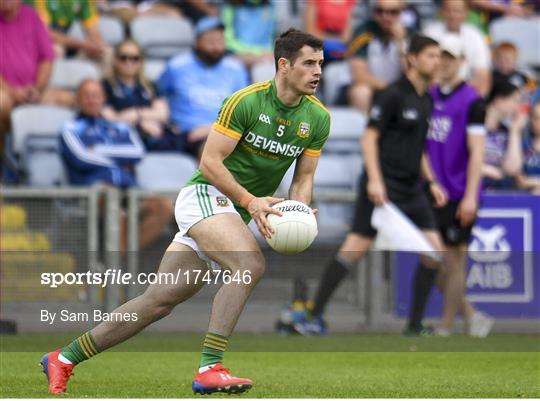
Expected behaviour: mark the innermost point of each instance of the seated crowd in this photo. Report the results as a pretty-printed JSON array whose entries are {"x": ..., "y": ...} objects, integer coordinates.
[{"x": 174, "y": 113}]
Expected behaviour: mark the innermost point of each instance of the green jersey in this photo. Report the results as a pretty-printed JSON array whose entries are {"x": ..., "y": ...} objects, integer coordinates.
[{"x": 270, "y": 137}]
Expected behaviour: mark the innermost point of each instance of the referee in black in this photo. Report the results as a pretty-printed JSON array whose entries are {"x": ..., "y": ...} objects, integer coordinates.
[{"x": 393, "y": 149}]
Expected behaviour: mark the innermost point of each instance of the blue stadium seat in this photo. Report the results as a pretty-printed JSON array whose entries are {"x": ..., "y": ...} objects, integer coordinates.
[
  {"x": 68, "y": 74},
  {"x": 153, "y": 68},
  {"x": 37, "y": 120},
  {"x": 162, "y": 36},
  {"x": 335, "y": 76},
  {"x": 42, "y": 161},
  {"x": 347, "y": 127},
  {"x": 165, "y": 171},
  {"x": 263, "y": 71},
  {"x": 111, "y": 30},
  {"x": 523, "y": 33}
]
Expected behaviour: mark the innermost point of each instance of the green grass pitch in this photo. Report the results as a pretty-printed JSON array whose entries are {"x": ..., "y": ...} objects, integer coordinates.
[{"x": 162, "y": 366}]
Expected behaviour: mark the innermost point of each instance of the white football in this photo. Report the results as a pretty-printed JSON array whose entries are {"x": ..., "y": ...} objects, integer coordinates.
[{"x": 295, "y": 230}]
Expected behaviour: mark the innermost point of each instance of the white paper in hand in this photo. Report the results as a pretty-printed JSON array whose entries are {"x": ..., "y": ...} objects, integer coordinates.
[{"x": 396, "y": 232}]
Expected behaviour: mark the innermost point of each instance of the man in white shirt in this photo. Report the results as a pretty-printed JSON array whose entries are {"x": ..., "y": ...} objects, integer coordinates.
[{"x": 477, "y": 65}]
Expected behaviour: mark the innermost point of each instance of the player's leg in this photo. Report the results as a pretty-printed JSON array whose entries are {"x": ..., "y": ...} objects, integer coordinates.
[
  {"x": 423, "y": 282},
  {"x": 156, "y": 302},
  {"x": 228, "y": 241},
  {"x": 349, "y": 255},
  {"x": 453, "y": 286},
  {"x": 356, "y": 244},
  {"x": 419, "y": 209}
]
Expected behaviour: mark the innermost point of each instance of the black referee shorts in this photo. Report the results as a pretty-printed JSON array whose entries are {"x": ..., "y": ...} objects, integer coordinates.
[
  {"x": 452, "y": 232},
  {"x": 410, "y": 199}
]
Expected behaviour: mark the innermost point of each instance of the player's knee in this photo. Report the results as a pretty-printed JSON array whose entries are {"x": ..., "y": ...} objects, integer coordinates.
[
  {"x": 162, "y": 309},
  {"x": 257, "y": 268}
]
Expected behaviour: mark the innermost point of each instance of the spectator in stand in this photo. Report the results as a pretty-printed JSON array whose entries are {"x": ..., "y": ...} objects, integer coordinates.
[
  {"x": 529, "y": 179},
  {"x": 331, "y": 21},
  {"x": 376, "y": 54},
  {"x": 477, "y": 67},
  {"x": 59, "y": 16},
  {"x": 505, "y": 57},
  {"x": 126, "y": 10},
  {"x": 483, "y": 12},
  {"x": 132, "y": 99},
  {"x": 196, "y": 83},
  {"x": 503, "y": 157},
  {"x": 26, "y": 56},
  {"x": 98, "y": 151},
  {"x": 250, "y": 27}
]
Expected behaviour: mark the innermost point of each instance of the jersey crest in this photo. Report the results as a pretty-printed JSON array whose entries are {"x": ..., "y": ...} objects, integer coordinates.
[{"x": 303, "y": 130}]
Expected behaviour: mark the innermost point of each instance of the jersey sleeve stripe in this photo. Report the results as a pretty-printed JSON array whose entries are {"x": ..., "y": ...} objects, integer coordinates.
[
  {"x": 243, "y": 95},
  {"x": 316, "y": 101},
  {"x": 312, "y": 152},
  {"x": 235, "y": 95},
  {"x": 225, "y": 131}
]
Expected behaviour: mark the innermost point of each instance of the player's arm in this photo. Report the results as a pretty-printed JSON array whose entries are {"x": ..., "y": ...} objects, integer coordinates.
[
  {"x": 370, "y": 150},
  {"x": 476, "y": 135},
  {"x": 384, "y": 106},
  {"x": 217, "y": 148},
  {"x": 437, "y": 191},
  {"x": 302, "y": 184}
]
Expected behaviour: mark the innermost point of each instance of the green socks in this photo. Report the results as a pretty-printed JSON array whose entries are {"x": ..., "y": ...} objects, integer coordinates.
[
  {"x": 80, "y": 350},
  {"x": 213, "y": 348}
]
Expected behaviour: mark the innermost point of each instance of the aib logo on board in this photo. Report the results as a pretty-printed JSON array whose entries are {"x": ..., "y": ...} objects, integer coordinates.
[
  {"x": 500, "y": 264},
  {"x": 490, "y": 251}
]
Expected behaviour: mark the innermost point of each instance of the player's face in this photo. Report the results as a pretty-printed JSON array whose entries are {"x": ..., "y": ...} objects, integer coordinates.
[
  {"x": 91, "y": 98},
  {"x": 449, "y": 66},
  {"x": 304, "y": 75},
  {"x": 427, "y": 62}
]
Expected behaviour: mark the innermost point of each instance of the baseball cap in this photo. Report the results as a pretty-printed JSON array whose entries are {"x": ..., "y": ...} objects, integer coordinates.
[
  {"x": 452, "y": 44},
  {"x": 208, "y": 24}
]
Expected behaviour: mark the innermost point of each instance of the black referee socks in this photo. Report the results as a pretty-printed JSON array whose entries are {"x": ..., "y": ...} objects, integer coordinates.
[
  {"x": 334, "y": 273},
  {"x": 424, "y": 280}
]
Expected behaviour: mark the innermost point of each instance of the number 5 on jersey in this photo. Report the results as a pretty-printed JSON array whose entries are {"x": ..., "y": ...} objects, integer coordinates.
[{"x": 280, "y": 130}]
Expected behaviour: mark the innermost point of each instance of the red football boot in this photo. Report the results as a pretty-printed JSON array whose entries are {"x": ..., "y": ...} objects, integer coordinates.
[
  {"x": 218, "y": 379},
  {"x": 57, "y": 372}
]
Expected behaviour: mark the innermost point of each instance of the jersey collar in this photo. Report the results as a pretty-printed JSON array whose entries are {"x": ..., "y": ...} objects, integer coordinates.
[{"x": 279, "y": 103}]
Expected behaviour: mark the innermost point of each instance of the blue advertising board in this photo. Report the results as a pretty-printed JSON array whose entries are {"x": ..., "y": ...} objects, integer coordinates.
[{"x": 503, "y": 277}]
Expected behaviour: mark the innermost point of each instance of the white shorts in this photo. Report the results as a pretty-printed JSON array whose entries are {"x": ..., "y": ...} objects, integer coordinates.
[{"x": 195, "y": 203}]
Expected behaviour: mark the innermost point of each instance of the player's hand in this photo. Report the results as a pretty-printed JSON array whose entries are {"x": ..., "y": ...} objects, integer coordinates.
[
  {"x": 259, "y": 209},
  {"x": 466, "y": 212},
  {"x": 376, "y": 192},
  {"x": 439, "y": 194}
]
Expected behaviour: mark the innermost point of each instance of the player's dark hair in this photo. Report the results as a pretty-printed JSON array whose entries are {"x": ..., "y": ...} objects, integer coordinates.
[
  {"x": 289, "y": 43},
  {"x": 501, "y": 89},
  {"x": 419, "y": 42}
]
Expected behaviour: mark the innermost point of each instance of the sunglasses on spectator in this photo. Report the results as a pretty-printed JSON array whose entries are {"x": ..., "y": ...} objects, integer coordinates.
[
  {"x": 125, "y": 57},
  {"x": 394, "y": 12}
]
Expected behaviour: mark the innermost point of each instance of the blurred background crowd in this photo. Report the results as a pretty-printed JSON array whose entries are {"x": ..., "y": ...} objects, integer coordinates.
[{"x": 116, "y": 80}]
